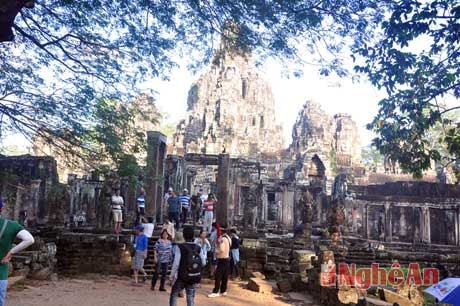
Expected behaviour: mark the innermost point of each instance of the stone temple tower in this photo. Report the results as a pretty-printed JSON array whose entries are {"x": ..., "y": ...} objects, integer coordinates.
[{"x": 231, "y": 109}]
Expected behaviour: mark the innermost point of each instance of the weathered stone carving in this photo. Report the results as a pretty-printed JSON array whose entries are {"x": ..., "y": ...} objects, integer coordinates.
[{"x": 230, "y": 109}]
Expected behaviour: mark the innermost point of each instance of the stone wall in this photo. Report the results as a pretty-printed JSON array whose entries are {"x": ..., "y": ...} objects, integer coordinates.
[
  {"x": 94, "y": 253},
  {"x": 410, "y": 212},
  {"x": 29, "y": 186}
]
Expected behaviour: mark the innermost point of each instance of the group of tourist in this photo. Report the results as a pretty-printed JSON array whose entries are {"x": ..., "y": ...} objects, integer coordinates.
[{"x": 190, "y": 259}]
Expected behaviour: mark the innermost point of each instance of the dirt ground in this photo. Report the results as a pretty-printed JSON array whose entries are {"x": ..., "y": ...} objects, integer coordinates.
[{"x": 115, "y": 291}]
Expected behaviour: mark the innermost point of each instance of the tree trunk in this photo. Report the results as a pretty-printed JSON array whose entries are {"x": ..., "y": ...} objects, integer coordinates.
[{"x": 9, "y": 9}]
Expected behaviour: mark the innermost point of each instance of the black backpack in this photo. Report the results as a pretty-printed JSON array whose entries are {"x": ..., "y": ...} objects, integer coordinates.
[{"x": 190, "y": 263}]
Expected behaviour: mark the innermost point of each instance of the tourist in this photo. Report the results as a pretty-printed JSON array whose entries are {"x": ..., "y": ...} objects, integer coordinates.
[
  {"x": 163, "y": 256},
  {"x": 117, "y": 210},
  {"x": 9, "y": 232},
  {"x": 141, "y": 245},
  {"x": 186, "y": 269},
  {"x": 208, "y": 206},
  {"x": 174, "y": 209},
  {"x": 169, "y": 226},
  {"x": 214, "y": 237},
  {"x": 234, "y": 255},
  {"x": 203, "y": 242},
  {"x": 148, "y": 227},
  {"x": 195, "y": 207},
  {"x": 223, "y": 266},
  {"x": 140, "y": 203},
  {"x": 166, "y": 197},
  {"x": 185, "y": 204}
]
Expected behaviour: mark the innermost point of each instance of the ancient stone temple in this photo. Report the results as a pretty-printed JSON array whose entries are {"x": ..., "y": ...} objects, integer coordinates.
[{"x": 230, "y": 110}]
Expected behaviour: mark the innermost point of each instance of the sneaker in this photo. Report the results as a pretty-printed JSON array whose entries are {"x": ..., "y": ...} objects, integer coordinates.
[
  {"x": 162, "y": 289},
  {"x": 224, "y": 293},
  {"x": 213, "y": 295}
]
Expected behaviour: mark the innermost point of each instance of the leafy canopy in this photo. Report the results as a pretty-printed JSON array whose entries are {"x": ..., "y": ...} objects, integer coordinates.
[{"x": 416, "y": 61}]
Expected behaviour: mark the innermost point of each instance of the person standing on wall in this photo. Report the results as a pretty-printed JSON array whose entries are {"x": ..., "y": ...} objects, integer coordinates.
[
  {"x": 185, "y": 203},
  {"x": 195, "y": 208},
  {"x": 117, "y": 210},
  {"x": 174, "y": 209},
  {"x": 209, "y": 212},
  {"x": 140, "y": 203},
  {"x": 9, "y": 232},
  {"x": 223, "y": 266}
]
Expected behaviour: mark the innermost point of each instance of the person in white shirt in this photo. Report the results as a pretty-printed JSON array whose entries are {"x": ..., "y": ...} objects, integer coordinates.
[
  {"x": 148, "y": 227},
  {"x": 117, "y": 210}
]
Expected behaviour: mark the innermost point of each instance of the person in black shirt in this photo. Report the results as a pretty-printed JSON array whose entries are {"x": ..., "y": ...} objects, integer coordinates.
[{"x": 235, "y": 255}]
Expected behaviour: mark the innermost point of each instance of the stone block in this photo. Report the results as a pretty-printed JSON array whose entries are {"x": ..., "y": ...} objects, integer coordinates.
[
  {"x": 260, "y": 285},
  {"x": 257, "y": 274},
  {"x": 284, "y": 285},
  {"x": 303, "y": 256},
  {"x": 393, "y": 297}
]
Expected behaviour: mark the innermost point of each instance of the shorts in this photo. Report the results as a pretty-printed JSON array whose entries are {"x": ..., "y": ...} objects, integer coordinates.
[
  {"x": 117, "y": 215},
  {"x": 138, "y": 261},
  {"x": 141, "y": 211}
]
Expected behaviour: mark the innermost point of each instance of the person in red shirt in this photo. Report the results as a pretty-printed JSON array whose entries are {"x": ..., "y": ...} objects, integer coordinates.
[{"x": 209, "y": 206}]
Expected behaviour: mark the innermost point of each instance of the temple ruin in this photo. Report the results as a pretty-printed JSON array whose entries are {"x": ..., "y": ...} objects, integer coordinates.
[{"x": 292, "y": 203}]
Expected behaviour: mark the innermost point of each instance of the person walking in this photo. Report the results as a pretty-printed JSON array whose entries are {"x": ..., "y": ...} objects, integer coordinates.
[
  {"x": 9, "y": 232},
  {"x": 140, "y": 203},
  {"x": 186, "y": 269},
  {"x": 141, "y": 245},
  {"x": 174, "y": 209},
  {"x": 214, "y": 237},
  {"x": 208, "y": 206},
  {"x": 169, "y": 227},
  {"x": 185, "y": 205},
  {"x": 234, "y": 255},
  {"x": 195, "y": 208},
  {"x": 223, "y": 266},
  {"x": 163, "y": 256},
  {"x": 117, "y": 203}
]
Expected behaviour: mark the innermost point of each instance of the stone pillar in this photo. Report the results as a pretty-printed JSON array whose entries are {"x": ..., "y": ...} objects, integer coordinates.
[
  {"x": 388, "y": 223},
  {"x": 156, "y": 153},
  {"x": 425, "y": 225},
  {"x": 287, "y": 208},
  {"x": 223, "y": 177},
  {"x": 365, "y": 222}
]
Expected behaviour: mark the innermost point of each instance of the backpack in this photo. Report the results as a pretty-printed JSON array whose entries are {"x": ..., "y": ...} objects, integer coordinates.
[{"x": 190, "y": 263}]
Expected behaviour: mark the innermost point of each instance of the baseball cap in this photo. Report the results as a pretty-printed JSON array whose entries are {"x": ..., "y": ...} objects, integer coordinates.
[
  {"x": 139, "y": 227},
  {"x": 185, "y": 190},
  {"x": 170, "y": 189}
]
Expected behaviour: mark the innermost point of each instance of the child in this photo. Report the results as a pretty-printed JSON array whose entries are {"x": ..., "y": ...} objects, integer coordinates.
[
  {"x": 141, "y": 244},
  {"x": 163, "y": 255}
]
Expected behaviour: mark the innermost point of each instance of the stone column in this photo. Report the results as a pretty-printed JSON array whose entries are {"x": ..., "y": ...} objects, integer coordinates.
[
  {"x": 156, "y": 151},
  {"x": 365, "y": 222},
  {"x": 223, "y": 177},
  {"x": 388, "y": 223},
  {"x": 425, "y": 225},
  {"x": 287, "y": 208}
]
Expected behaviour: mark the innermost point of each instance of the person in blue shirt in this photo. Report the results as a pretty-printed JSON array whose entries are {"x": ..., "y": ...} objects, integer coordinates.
[
  {"x": 174, "y": 209},
  {"x": 141, "y": 244},
  {"x": 185, "y": 204}
]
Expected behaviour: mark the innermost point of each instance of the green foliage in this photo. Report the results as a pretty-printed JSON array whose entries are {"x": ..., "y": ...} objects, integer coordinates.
[
  {"x": 417, "y": 61},
  {"x": 371, "y": 157},
  {"x": 168, "y": 129}
]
